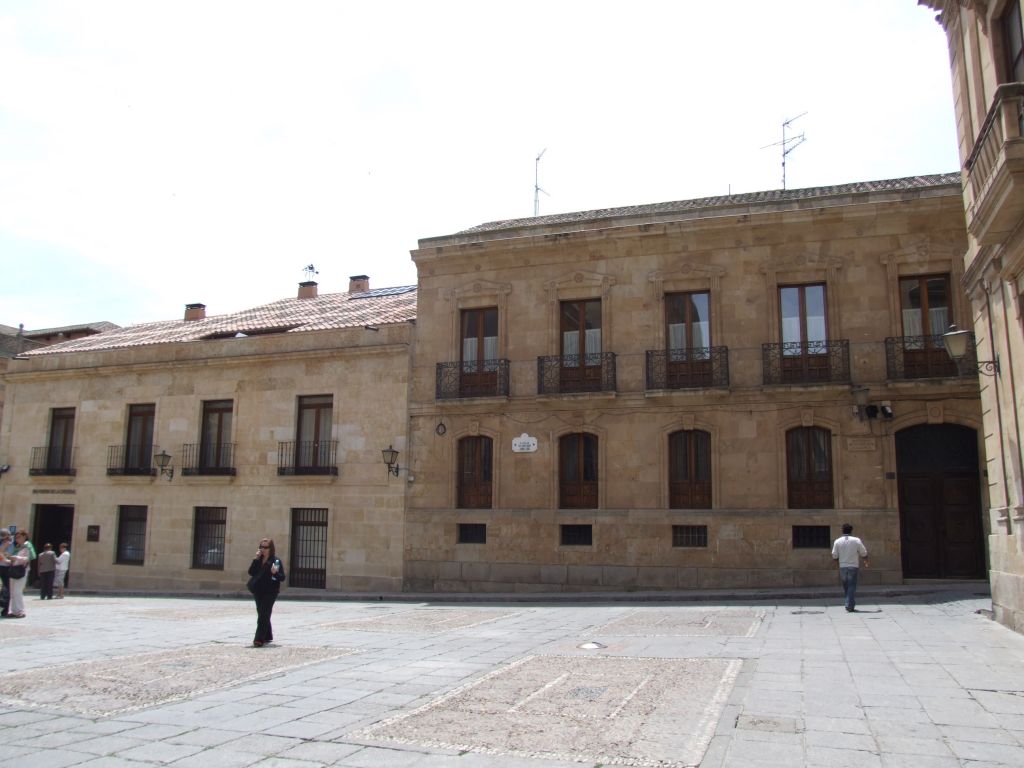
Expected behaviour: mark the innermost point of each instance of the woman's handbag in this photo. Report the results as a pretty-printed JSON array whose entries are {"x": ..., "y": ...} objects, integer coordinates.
[
  {"x": 16, "y": 572},
  {"x": 251, "y": 583}
]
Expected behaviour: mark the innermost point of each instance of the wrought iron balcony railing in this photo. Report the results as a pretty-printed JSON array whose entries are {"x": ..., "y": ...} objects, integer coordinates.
[
  {"x": 53, "y": 460},
  {"x": 486, "y": 378},
  {"x": 694, "y": 368},
  {"x": 307, "y": 458},
  {"x": 208, "y": 459},
  {"x": 925, "y": 357},
  {"x": 563, "y": 374},
  {"x": 811, "y": 362},
  {"x": 130, "y": 460}
]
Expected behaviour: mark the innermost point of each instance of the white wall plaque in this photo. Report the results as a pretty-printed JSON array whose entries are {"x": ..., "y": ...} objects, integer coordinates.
[{"x": 524, "y": 444}]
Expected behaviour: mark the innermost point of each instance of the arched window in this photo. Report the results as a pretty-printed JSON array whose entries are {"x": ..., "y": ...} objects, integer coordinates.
[
  {"x": 577, "y": 471},
  {"x": 809, "y": 468},
  {"x": 689, "y": 470},
  {"x": 475, "y": 460}
]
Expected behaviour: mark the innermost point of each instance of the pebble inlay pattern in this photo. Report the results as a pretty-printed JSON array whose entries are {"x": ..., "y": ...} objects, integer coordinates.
[
  {"x": 422, "y": 620},
  {"x": 126, "y": 683},
  {"x": 680, "y": 622},
  {"x": 610, "y": 710}
]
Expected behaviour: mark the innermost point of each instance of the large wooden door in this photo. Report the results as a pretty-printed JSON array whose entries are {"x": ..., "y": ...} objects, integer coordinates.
[{"x": 940, "y": 502}]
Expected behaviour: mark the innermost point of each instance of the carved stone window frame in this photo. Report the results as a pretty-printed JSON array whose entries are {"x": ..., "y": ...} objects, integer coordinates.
[
  {"x": 809, "y": 270},
  {"x": 473, "y": 429},
  {"x": 688, "y": 423},
  {"x": 478, "y": 294},
  {"x": 575, "y": 286},
  {"x": 688, "y": 278},
  {"x": 921, "y": 260}
]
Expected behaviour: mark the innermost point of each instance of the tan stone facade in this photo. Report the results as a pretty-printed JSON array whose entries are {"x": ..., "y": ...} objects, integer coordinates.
[
  {"x": 988, "y": 92},
  {"x": 563, "y": 473},
  {"x": 232, "y": 413}
]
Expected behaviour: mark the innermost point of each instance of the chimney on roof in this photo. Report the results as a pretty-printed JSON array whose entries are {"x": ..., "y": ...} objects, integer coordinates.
[
  {"x": 307, "y": 290},
  {"x": 195, "y": 311},
  {"x": 358, "y": 283}
]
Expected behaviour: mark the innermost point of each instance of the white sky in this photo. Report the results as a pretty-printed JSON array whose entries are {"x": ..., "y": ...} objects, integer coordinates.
[{"x": 155, "y": 153}]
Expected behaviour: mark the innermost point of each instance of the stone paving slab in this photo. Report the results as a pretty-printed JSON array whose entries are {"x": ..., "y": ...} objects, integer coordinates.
[
  {"x": 917, "y": 680},
  {"x": 114, "y": 686},
  {"x": 659, "y": 622},
  {"x": 429, "y": 620},
  {"x": 621, "y": 711}
]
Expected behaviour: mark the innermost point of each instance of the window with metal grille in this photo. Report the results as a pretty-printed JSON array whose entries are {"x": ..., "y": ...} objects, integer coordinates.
[
  {"x": 131, "y": 535},
  {"x": 689, "y": 535},
  {"x": 308, "y": 566},
  {"x": 812, "y": 537},
  {"x": 577, "y": 535},
  {"x": 472, "y": 533},
  {"x": 209, "y": 526}
]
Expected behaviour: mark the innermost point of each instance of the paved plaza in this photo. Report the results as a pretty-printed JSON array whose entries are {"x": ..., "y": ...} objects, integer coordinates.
[{"x": 921, "y": 678}]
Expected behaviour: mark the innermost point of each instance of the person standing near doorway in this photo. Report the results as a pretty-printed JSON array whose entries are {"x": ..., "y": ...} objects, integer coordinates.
[
  {"x": 18, "y": 563},
  {"x": 6, "y": 549},
  {"x": 46, "y": 567},
  {"x": 60, "y": 578},
  {"x": 848, "y": 550}
]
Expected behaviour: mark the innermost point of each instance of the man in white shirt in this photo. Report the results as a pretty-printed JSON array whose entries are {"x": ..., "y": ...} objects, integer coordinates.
[{"x": 848, "y": 550}]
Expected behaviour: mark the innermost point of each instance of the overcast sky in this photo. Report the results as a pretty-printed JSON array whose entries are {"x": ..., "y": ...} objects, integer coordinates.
[{"x": 155, "y": 153}]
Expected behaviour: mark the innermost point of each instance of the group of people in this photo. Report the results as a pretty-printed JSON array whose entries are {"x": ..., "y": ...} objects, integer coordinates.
[
  {"x": 16, "y": 556},
  {"x": 266, "y": 574}
]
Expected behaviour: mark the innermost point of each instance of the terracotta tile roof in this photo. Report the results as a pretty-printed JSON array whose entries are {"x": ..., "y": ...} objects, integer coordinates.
[
  {"x": 723, "y": 201},
  {"x": 332, "y": 310},
  {"x": 98, "y": 327}
]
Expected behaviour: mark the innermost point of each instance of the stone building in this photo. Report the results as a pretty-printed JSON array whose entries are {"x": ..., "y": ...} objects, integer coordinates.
[
  {"x": 986, "y": 46},
  {"x": 696, "y": 394},
  {"x": 162, "y": 452},
  {"x": 14, "y": 341}
]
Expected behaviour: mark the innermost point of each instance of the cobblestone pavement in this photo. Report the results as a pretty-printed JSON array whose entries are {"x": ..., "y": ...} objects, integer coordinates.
[{"x": 920, "y": 680}]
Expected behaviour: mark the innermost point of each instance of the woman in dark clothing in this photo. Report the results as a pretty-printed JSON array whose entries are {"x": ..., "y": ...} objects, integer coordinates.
[{"x": 265, "y": 576}]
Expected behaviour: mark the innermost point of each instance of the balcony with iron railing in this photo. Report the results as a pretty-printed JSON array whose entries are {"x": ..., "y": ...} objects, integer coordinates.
[
  {"x": 315, "y": 457},
  {"x": 694, "y": 368},
  {"x": 925, "y": 357},
  {"x": 53, "y": 460},
  {"x": 208, "y": 459},
  {"x": 810, "y": 362},
  {"x": 130, "y": 460},
  {"x": 995, "y": 168},
  {"x": 485, "y": 378},
  {"x": 566, "y": 374}
]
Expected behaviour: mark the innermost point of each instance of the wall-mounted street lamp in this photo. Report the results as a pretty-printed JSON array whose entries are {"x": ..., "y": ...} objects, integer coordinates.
[
  {"x": 163, "y": 460},
  {"x": 956, "y": 347},
  {"x": 390, "y": 456}
]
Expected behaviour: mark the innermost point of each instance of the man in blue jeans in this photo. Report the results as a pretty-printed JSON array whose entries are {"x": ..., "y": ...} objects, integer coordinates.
[{"x": 848, "y": 550}]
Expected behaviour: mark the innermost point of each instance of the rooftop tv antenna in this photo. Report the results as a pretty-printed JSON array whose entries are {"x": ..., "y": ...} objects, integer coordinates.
[
  {"x": 536, "y": 185},
  {"x": 309, "y": 270},
  {"x": 788, "y": 144}
]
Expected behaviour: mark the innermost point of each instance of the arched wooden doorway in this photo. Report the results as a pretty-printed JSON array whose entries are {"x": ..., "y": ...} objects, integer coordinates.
[{"x": 940, "y": 502}]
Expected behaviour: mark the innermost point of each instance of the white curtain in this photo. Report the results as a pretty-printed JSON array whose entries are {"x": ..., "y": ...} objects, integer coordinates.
[{"x": 912, "y": 322}]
